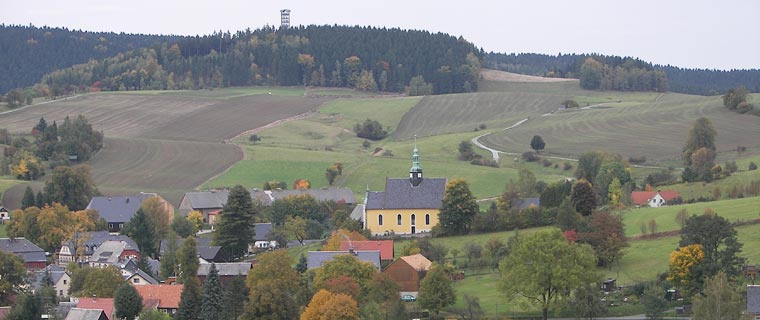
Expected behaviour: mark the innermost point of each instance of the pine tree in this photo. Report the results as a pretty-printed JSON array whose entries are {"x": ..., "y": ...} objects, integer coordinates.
[
  {"x": 187, "y": 260},
  {"x": 168, "y": 264},
  {"x": 39, "y": 200},
  {"x": 127, "y": 302},
  {"x": 28, "y": 200},
  {"x": 234, "y": 293},
  {"x": 302, "y": 264},
  {"x": 190, "y": 301},
  {"x": 235, "y": 230},
  {"x": 212, "y": 296},
  {"x": 139, "y": 229}
]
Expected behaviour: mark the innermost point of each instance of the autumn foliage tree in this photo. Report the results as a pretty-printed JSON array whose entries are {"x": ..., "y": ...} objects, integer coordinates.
[
  {"x": 301, "y": 184},
  {"x": 52, "y": 225},
  {"x": 607, "y": 236},
  {"x": 584, "y": 197},
  {"x": 346, "y": 265},
  {"x": 340, "y": 235},
  {"x": 274, "y": 286},
  {"x": 682, "y": 263},
  {"x": 326, "y": 305},
  {"x": 458, "y": 208}
]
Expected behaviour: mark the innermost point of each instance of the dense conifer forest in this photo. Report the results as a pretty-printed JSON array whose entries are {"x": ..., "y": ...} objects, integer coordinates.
[{"x": 28, "y": 52}]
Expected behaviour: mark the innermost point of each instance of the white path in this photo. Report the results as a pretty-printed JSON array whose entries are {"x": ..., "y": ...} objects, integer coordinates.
[{"x": 494, "y": 152}]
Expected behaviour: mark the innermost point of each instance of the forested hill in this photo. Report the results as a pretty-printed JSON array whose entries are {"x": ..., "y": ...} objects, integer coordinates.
[
  {"x": 624, "y": 73},
  {"x": 365, "y": 58},
  {"x": 28, "y": 52}
]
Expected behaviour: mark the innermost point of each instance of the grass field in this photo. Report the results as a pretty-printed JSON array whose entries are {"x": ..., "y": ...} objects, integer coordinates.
[
  {"x": 732, "y": 210},
  {"x": 3, "y": 233}
]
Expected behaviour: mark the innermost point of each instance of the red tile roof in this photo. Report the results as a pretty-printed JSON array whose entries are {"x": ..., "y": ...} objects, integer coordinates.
[
  {"x": 167, "y": 295},
  {"x": 641, "y": 197},
  {"x": 385, "y": 247},
  {"x": 105, "y": 304}
]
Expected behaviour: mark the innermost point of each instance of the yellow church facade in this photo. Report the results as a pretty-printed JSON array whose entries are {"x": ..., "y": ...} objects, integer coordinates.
[{"x": 407, "y": 206}]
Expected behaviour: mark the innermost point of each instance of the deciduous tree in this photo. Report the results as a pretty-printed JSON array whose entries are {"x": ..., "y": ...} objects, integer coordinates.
[
  {"x": 12, "y": 272},
  {"x": 71, "y": 186},
  {"x": 436, "y": 291},
  {"x": 607, "y": 236},
  {"x": 537, "y": 143},
  {"x": 274, "y": 286},
  {"x": 327, "y": 305},
  {"x": 544, "y": 267},
  {"x": 346, "y": 265},
  {"x": 682, "y": 266},
  {"x": 127, "y": 302},
  {"x": 584, "y": 197},
  {"x": 719, "y": 242},
  {"x": 720, "y": 300},
  {"x": 701, "y": 135},
  {"x": 458, "y": 208},
  {"x": 187, "y": 261},
  {"x": 102, "y": 282}
]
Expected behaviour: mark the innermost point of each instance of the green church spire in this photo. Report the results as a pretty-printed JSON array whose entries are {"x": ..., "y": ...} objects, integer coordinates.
[{"x": 415, "y": 173}]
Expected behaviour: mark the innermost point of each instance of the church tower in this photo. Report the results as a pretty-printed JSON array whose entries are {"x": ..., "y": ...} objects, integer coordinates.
[{"x": 415, "y": 173}]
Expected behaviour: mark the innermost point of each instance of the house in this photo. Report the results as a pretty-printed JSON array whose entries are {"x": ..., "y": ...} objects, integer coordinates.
[
  {"x": 407, "y": 206},
  {"x": 408, "y": 271},
  {"x": 4, "y": 312},
  {"x": 86, "y": 314},
  {"x": 315, "y": 259},
  {"x": 261, "y": 238},
  {"x": 59, "y": 278},
  {"x": 525, "y": 203},
  {"x": 95, "y": 303},
  {"x": 118, "y": 210},
  {"x": 164, "y": 297},
  {"x": 88, "y": 242},
  {"x": 5, "y": 216},
  {"x": 110, "y": 253},
  {"x": 653, "y": 199},
  {"x": 384, "y": 246},
  {"x": 207, "y": 202},
  {"x": 203, "y": 248},
  {"x": 753, "y": 300},
  {"x": 339, "y": 195},
  {"x": 227, "y": 271},
  {"x": 32, "y": 255},
  {"x": 140, "y": 278}
]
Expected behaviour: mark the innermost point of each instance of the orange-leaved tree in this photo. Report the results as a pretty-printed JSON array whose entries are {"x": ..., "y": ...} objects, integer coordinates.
[
  {"x": 682, "y": 262},
  {"x": 326, "y": 305},
  {"x": 340, "y": 235}
]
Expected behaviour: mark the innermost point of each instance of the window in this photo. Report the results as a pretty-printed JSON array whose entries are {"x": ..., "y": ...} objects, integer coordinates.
[
  {"x": 60, "y": 292},
  {"x": 380, "y": 220},
  {"x": 414, "y": 218},
  {"x": 136, "y": 280},
  {"x": 398, "y": 219},
  {"x": 64, "y": 281},
  {"x": 427, "y": 219}
]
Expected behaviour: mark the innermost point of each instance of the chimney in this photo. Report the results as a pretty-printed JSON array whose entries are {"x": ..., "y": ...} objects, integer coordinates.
[
  {"x": 351, "y": 250},
  {"x": 94, "y": 298}
]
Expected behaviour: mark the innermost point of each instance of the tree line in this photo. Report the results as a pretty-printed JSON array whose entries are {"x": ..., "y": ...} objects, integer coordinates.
[
  {"x": 29, "y": 52},
  {"x": 365, "y": 58},
  {"x": 683, "y": 80}
]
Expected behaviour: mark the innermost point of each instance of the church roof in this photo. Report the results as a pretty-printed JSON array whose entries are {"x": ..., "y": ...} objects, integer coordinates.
[{"x": 400, "y": 194}]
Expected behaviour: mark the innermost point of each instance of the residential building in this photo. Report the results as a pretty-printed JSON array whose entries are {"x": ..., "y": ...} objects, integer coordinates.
[
  {"x": 5, "y": 216},
  {"x": 118, "y": 210},
  {"x": 654, "y": 199},
  {"x": 384, "y": 246},
  {"x": 261, "y": 238},
  {"x": 227, "y": 271},
  {"x": 141, "y": 278},
  {"x": 86, "y": 314},
  {"x": 95, "y": 303},
  {"x": 315, "y": 259},
  {"x": 408, "y": 271},
  {"x": 753, "y": 300},
  {"x": 164, "y": 297},
  {"x": 32, "y": 255},
  {"x": 207, "y": 202},
  {"x": 88, "y": 242},
  {"x": 110, "y": 253},
  {"x": 407, "y": 206},
  {"x": 59, "y": 278},
  {"x": 203, "y": 247}
]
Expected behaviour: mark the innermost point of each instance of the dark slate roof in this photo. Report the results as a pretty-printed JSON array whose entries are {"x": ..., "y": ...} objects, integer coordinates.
[
  {"x": 86, "y": 314},
  {"x": 266, "y": 197},
  {"x": 148, "y": 278},
  {"x": 753, "y": 299},
  {"x": 202, "y": 246},
  {"x": 25, "y": 249},
  {"x": 36, "y": 279},
  {"x": 262, "y": 231},
  {"x": 226, "y": 269},
  {"x": 207, "y": 199},
  {"x": 525, "y": 203},
  {"x": 358, "y": 212},
  {"x": 119, "y": 208},
  {"x": 316, "y": 259},
  {"x": 400, "y": 194},
  {"x": 208, "y": 253},
  {"x": 95, "y": 238}
]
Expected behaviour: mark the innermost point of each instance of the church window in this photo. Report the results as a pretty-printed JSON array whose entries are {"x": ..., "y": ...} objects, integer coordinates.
[
  {"x": 380, "y": 220},
  {"x": 427, "y": 219},
  {"x": 414, "y": 218},
  {"x": 398, "y": 219}
]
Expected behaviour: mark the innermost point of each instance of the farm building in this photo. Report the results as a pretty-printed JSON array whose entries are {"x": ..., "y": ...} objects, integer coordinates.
[
  {"x": 753, "y": 300},
  {"x": 653, "y": 199},
  {"x": 86, "y": 314},
  {"x": 315, "y": 259},
  {"x": 407, "y": 206},
  {"x": 32, "y": 255},
  {"x": 227, "y": 271},
  {"x": 92, "y": 240},
  {"x": 408, "y": 271},
  {"x": 162, "y": 297},
  {"x": 118, "y": 210}
]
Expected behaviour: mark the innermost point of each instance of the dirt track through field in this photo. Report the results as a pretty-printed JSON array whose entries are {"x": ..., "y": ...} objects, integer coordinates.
[{"x": 162, "y": 143}]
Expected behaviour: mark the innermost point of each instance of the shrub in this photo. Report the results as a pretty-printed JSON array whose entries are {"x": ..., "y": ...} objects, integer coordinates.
[
  {"x": 482, "y": 126},
  {"x": 546, "y": 163},
  {"x": 731, "y": 167},
  {"x": 370, "y": 129},
  {"x": 366, "y": 144},
  {"x": 752, "y": 166},
  {"x": 530, "y": 156},
  {"x": 485, "y": 162},
  {"x": 570, "y": 103},
  {"x": 637, "y": 160},
  {"x": 567, "y": 166},
  {"x": 387, "y": 153}
]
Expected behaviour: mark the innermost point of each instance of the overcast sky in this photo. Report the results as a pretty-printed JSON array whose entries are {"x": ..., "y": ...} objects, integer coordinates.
[{"x": 687, "y": 33}]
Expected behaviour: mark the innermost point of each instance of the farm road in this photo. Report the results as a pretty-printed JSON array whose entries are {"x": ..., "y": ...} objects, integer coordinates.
[{"x": 494, "y": 152}]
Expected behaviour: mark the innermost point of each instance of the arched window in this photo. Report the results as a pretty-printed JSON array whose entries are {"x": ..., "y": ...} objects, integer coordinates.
[
  {"x": 427, "y": 219},
  {"x": 380, "y": 220},
  {"x": 398, "y": 219},
  {"x": 414, "y": 218}
]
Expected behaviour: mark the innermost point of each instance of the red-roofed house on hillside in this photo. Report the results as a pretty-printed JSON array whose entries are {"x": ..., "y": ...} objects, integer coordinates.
[
  {"x": 168, "y": 296},
  {"x": 385, "y": 247},
  {"x": 653, "y": 199},
  {"x": 105, "y": 304}
]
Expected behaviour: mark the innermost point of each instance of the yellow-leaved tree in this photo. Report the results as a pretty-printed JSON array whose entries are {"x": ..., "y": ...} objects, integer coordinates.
[
  {"x": 327, "y": 305},
  {"x": 196, "y": 218},
  {"x": 340, "y": 235},
  {"x": 682, "y": 262}
]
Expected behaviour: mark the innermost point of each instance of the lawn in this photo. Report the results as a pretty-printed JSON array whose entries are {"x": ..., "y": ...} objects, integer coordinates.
[
  {"x": 3, "y": 233},
  {"x": 732, "y": 210}
]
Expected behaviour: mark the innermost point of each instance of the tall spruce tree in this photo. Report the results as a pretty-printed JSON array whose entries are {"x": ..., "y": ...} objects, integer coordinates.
[
  {"x": 39, "y": 200},
  {"x": 168, "y": 266},
  {"x": 235, "y": 230},
  {"x": 234, "y": 293},
  {"x": 190, "y": 301},
  {"x": 127, "y": 302},
  {"x": 140, "y": 229},
  {"x": 28, "y": 200},
  {"x": 187, "y": 261},
  {"x": 211, "y": 309}
]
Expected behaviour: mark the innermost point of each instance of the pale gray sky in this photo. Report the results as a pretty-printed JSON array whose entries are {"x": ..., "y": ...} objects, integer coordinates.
[{"x": 687, "y": 33}]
